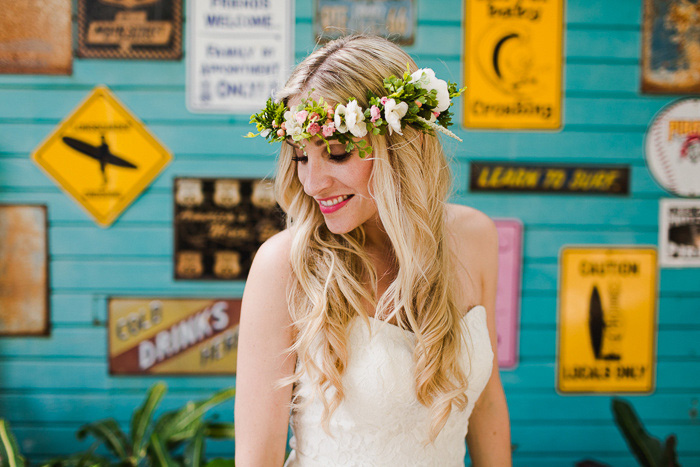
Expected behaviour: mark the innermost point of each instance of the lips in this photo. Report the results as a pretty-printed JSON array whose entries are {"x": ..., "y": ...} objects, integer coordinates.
[{"x": 330, "y": 205}]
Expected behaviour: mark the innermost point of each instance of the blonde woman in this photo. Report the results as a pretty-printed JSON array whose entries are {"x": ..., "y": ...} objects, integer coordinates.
[{"x": 370, "y": 319}]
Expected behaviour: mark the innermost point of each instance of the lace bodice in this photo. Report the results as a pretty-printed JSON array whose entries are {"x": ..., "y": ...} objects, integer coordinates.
[{"x": 380, "y": 421}]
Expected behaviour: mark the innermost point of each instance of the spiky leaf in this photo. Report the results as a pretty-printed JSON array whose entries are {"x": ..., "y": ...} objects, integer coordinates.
[
  {"x": 108, "y": 432},
  {"x": 194, "y": 452},
  {"x": 9, "y": 451},
  {"x": 158, "y": 452},
  {"x": 646, "y": 449},
  {"x": 219, "y": 462},
  {"x": 221, "y": 431},
  {"x": 186, "y": 421},
  {"x": 142, "y": 417}
]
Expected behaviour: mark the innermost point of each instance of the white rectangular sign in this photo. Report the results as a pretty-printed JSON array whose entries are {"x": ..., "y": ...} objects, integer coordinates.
[
  {"x": 239, "y": 53},
  {"x": 679, "y": 233}
]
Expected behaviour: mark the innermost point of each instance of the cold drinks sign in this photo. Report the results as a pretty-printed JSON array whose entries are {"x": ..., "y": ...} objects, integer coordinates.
[
  {"x": 240, "y": 52},
  {"x": 173, "y": 336}
]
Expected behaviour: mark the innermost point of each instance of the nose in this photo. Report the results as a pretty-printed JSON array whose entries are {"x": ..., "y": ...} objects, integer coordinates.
[{"x": 315, "y": 176}]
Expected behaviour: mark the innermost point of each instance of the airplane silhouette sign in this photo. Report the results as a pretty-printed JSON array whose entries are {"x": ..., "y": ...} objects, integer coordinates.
[
  {"x": 102, "y": 133},
  {"x": 100, "y": 153}
]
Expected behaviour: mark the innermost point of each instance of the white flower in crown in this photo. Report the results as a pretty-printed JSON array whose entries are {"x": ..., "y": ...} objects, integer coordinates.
[
  {"x": 292, "y": 126},
  {"x": 428, "y": 81},
  {"x": 393, "y": 113},
  {"x": 340, "y": 125},
  {"x": 354, "y": 119}
]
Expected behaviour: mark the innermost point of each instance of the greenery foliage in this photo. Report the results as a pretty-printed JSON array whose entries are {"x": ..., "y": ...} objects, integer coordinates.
[{"x": 152, "y": 442}]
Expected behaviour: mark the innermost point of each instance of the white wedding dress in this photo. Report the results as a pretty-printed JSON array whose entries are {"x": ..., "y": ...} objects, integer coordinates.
[{"x": 380, "y": 421}]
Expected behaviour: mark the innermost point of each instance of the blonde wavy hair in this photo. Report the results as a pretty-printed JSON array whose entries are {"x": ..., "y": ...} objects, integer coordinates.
[{"x": 410, "y": 182}]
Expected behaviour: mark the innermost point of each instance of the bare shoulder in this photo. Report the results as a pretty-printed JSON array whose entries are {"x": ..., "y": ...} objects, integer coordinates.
[
  {"x": 470, "y": 221},
  {"x": 265, "y": 291},
  {"x": 473, "y": 240},
  {"x": 273, "y": 255}
]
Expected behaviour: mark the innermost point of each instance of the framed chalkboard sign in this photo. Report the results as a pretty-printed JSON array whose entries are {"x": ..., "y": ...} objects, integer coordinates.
[{"x": 219, "y": 225}]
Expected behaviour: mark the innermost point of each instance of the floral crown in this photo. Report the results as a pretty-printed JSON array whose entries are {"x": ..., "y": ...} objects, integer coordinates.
[{"x": 417, "y": 99}]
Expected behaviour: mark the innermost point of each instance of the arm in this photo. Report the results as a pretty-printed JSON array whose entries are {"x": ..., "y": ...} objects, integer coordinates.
[
  {"x": 488, "y": 437},
  {"x": 262, "y": 412}
]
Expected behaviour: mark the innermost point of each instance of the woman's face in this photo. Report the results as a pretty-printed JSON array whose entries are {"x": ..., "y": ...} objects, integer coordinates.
[{"x": 338, "y": 181}]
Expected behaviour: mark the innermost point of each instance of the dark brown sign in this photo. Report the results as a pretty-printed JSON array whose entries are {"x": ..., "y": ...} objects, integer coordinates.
[
  {"x": 220, "y": 224},
  {"x": 173, "y": 336},
  {"x": 36, "y": 37},
  {"x": 510, "y": 177},
  {"x": 138, "y": 29}
]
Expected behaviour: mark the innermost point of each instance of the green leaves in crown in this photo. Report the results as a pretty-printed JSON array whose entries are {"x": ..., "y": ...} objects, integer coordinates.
[{"x": 317, "y": 118}]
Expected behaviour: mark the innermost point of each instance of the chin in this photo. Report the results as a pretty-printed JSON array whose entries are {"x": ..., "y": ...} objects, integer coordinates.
[{"x": 340, "y": 228}]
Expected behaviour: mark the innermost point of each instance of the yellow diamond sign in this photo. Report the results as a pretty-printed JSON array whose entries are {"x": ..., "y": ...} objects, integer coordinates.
[{"x": 102, "y": 155}]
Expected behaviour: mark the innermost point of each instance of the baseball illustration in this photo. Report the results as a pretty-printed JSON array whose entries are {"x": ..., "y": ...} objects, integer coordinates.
[{"x": 673, "y": 148}]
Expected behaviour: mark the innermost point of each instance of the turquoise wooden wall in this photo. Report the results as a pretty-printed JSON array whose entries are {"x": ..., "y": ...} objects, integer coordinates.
[{"x": 50, "y": 386}]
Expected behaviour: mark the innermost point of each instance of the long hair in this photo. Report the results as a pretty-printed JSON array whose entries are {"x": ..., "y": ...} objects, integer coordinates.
[{"x": 332, "y": 276}]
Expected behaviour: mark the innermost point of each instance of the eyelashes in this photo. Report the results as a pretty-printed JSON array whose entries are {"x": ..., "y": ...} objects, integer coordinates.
[{"x": 333, "y": 157}]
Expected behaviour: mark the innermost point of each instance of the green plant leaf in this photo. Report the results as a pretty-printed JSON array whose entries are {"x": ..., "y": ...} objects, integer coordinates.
[
  {"x": 142, "y": 416},
  {"x": 220, "y": 431},
  {"x": 646, "y": 449},
  {"x": 219, "y": 462},
  {"x": 186, "y": 421},
  {"x": 108, "y": 432},
  {"x": 194, "y": 452},
  {"x": 9, "y": 451},
  {"x": 159, "y": 453}
]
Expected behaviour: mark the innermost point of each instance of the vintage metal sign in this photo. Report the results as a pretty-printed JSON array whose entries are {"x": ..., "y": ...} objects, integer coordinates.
[
  {"x": 141, "y": 29},
  {"x": 102, "y": 156},
  {"x": 173, "y": 336},
  {"x": 512, "y": 177},
  {"x": 510, "y": 262},
  {"x": 513, "y": 64},
  {"x": 36, "y": 37},
  {"x": 393, "y": 19},
  {"x": 670, "y": 41},
  {"x": 24, "y": 270},
  {"x": 219, "y": 225},
  {"x": 607, "y": 320},
  {"x": 239, "y": 53},
  {"x": 679, "y": 233},
  {"x": 673, "y": 148}
]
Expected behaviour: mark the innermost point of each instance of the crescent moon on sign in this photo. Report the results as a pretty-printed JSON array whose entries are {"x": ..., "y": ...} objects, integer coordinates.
[{"x": 497, "y": 52}]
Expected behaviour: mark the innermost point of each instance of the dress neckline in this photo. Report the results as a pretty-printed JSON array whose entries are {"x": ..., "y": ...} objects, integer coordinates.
[{"x": 391, "y": 325}]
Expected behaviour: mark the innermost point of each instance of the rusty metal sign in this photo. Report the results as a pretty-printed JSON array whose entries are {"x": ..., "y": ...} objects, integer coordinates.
[
  {"x": 36, "y": 37},
  {"x": 24, "y": 271},
  {"x": 670, "y": 42}
]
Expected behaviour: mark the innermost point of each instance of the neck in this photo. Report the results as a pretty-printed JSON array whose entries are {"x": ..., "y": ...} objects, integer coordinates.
[{"x": 377, "y": 242}]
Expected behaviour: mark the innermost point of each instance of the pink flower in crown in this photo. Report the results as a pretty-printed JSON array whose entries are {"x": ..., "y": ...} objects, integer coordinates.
[
  {"x": 384, "y": 100},
  {"x": 280, "y": 132},
  {"x": 328, "y": 130},
  {"x": 314, "y": 117},
  {"x": 301, "y": 116},
  {"x": 376, "y": 113},
  {"x": 313, "y": 128}
]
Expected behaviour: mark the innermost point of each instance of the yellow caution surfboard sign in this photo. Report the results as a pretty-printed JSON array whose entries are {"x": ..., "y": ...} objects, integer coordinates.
[
  {"x": 102, "y": 156},
  {"x": 606, "y": 327}
]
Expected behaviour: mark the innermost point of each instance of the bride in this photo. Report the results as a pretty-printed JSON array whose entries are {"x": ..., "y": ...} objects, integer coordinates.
[{"x": 368, "y": 324}]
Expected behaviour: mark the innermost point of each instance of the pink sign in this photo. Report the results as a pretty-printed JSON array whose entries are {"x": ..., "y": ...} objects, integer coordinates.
[{"x": 510, "y": 260}]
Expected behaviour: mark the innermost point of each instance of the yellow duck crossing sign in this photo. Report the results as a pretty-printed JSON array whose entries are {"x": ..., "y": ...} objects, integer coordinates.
[{"x": 102, "y": 156}]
